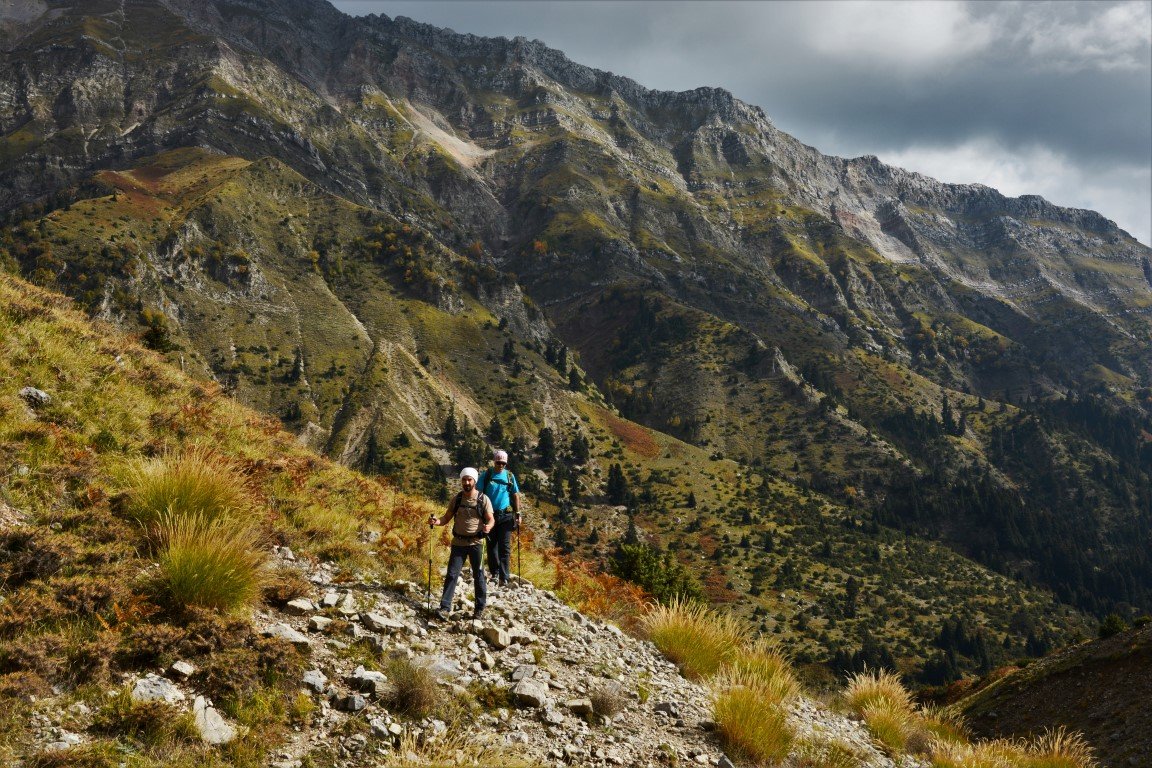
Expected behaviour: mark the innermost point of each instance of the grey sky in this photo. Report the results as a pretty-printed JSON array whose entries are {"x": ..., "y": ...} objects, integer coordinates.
[{"x": 1048, "y": 98}]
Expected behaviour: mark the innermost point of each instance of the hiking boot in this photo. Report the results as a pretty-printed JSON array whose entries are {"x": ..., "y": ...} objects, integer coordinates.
[
  {"x": 443, "y": 615},
  {"x": 477, "y": 614}
]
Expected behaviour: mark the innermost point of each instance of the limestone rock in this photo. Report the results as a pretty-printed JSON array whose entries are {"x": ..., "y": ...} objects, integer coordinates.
[
  {"x": 531, "y": 693},
  {"x": 213, "y": 728},
  {"x": 289, "y": 635},
  {"x": 155, "y": 688}
]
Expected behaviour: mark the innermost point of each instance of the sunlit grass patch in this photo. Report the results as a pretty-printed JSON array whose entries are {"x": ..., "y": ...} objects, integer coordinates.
[
  {"x": 1059, "y": 749},
  {"x": 765, "y": 662},
  {"x": 209, "y": 563},
  {"x": 196, "y": 482},
  {"x": 868, "y": 689},
  {"x": 751, "y": 721},
  {"x": 696, "y": 638}
]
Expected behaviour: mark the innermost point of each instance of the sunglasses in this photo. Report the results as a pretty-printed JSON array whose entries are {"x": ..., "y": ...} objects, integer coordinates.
[{"x": 500, "y": 463}]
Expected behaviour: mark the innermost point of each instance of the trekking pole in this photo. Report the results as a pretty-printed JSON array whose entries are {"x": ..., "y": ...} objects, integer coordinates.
[
  {"x": 428, "y": 592},
  {"x": 519, "y": 571}
]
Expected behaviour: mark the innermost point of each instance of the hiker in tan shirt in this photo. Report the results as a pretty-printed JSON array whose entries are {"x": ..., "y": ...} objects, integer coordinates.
[{"x": 471, "y": 515}]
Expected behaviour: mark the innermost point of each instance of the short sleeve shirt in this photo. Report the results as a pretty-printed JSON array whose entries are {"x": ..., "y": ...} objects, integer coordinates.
[{"x": 499, "y": 487}]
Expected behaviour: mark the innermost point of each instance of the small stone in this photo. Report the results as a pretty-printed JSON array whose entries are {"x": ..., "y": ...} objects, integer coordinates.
[
  {"x": 496, "y": 637},
  {"x": 213, "y": 728},
  {"x": 182, "y": 670},
  {"x": 396, "y": 729},
  {"x": 315, "y": 680},
  {"x": 368, "y": 681},
  {"x": 289, "y": 635},
  {"x": 156, "y": 688},
  {"x": 531, "y": 693},
  {"x": 301, "y": 606},
  {"x": 523, "y": 672},
  {"x": 724, "y": 762},
  {"x": 319, "y": 623},
  {"x": 287, "y": 554},
  {"x": 330, "y": 599},
  {"x": 670, "y": 708},
  {"x": 380, "y": 623},
  {"x": 80, "y": 709},
  {"x": 379, "y": 728},
  {"x": 487, "y": 661},
  {"x": 352, "y": 703},
  {"x": 35, "y": 397},
  {"x": 553, "y": 716}
]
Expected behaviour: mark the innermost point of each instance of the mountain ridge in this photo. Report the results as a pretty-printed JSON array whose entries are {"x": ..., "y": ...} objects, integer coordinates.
[{"x": 414, "y": 225}]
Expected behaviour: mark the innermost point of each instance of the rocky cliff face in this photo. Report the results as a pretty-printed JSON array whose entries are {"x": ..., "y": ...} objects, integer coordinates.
[{"x": 347, "y": 222}]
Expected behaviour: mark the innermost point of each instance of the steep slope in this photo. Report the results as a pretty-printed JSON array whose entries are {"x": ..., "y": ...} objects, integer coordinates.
[
  {"x": 1098, "y": 688},
  {"x": 363, "y": 225}
]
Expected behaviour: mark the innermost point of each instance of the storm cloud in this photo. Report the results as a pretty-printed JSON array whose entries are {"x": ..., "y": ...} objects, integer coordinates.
[{"x": 1048, "y": 98}]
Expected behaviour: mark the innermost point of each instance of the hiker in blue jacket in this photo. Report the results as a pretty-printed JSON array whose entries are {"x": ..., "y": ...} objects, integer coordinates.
[{"x": 500, "y": 486}]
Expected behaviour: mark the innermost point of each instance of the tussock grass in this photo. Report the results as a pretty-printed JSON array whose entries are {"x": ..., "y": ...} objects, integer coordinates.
[
  {"x": 210, "y": 563},
  {"x": 456, "y": 748},
  {"x": 986, "y": 754},
  {"x": 764, "y": 661},
  {"x": 196, "y": 482},
  {"x": 1059, "y": 749},
  {"x": 414, "y": 690},
  {"x": 699, "y": 640},
  {"x": 828, "y": 754},
  {"x": 155, "y": 724},
  {"x": 867, "y": 689},
  {"x": 752, "y": 724}
]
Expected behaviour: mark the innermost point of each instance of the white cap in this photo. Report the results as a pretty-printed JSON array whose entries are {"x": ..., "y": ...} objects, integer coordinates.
[
  {"x": 469, "y": 472},
  {"x": 500, "y": 456}
]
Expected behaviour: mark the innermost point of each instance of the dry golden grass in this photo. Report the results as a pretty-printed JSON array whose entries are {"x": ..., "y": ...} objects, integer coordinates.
[
  {"x": 696, "y": 638},
  {"x": 763, "y": 660},
  {"x": 867, "y": 689},
  {"x": 210, "y": 563},
  {"x": 457, "y": 748},
  {"x": 196, "y": 481},
  {"x": 751, "y": 721},
  {"x": 1059, "y": 749}
]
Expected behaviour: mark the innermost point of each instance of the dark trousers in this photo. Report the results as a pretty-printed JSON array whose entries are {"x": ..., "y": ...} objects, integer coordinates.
[
  {"x": 455, "y": 566},
  {"x": 500, "y": 549}
]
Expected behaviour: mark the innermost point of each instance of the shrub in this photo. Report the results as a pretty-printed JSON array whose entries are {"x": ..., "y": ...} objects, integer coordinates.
[
  {"x": 694, "y": 637},
  {"x": 210, "y": 563},
  {"x": 194, "y": 483},
  {"x": 414, "y": 690},
  {"x": 751, "y": 724}
]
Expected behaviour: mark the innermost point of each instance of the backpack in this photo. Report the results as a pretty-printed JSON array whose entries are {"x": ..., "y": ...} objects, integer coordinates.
[
  {"x": 487, "y": 478},
  {"x": 482, "y": 502}
]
